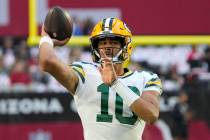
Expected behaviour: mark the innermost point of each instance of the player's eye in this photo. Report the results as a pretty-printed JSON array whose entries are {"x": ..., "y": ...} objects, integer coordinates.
[
  {"x": 102, "y": 43},
  {"x": 115, "y": 42}
]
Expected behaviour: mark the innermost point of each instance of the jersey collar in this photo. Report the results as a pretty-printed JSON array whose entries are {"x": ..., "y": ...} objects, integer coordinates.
[{"x": 127, "y": 73}]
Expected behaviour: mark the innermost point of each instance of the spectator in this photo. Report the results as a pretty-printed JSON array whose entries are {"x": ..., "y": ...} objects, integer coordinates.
[
  {"x": 179, "y": 126},
  {"x": 77, "y": 27},
  {"x": 9, "y": 58},
  {"x": 207, "y": 58},
  {"x": 75, "y": 54},
  {"x": 22, "y": 51},
  {"x": 4, "y": 78},
  {"x": 88, "y": 26},
  {"x": 20, "y": 77}
]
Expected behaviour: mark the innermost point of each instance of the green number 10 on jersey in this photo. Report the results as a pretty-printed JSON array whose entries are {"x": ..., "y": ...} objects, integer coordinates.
[{"x": 105, "y": 116}]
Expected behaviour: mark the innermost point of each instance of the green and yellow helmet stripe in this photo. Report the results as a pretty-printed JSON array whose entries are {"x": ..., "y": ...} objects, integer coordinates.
[
  {"x": 103, "y": 24},
  {"x": 107, "y": 24},
  {"x": 110, "y": 23}
]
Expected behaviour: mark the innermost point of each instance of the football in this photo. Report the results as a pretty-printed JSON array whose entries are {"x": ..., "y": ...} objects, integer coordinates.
[{"x": 58, "y": 24}]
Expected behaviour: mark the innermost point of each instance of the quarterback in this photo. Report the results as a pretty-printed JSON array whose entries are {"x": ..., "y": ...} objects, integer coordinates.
[{"x": 113, "y": 102}]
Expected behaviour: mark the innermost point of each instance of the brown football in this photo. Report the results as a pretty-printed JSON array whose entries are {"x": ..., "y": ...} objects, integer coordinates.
[{"x": 58, "y": 24}]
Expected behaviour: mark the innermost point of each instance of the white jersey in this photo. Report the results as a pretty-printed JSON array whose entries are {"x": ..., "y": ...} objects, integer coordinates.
[{"x": 103, "y": 113}]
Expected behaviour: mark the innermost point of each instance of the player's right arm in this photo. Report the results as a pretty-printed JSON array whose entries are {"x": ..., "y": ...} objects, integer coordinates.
[{"x": 49, "y": 62}]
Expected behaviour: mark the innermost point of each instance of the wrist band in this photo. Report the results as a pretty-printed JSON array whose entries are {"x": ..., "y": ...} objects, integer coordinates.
[
  {"x": 46, "y": 39},
  {"x": 125, "y": 93},
  {"x": 113, "y": 82}
]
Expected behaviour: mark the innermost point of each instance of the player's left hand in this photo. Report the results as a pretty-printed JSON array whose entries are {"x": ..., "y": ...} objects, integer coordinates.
[{"x": 107, "y": 70}]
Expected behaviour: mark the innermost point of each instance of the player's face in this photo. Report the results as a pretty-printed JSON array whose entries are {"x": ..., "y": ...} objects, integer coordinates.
[{"x": 109, "y": 46}]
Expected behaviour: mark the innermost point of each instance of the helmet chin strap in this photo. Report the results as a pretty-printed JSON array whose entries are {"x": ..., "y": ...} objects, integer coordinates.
[{"x": 115, "y": 59}]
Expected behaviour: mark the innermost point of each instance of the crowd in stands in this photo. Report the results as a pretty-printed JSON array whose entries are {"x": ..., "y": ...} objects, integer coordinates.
[
  {"x": 183, "y": 69},
  {"x": 185, "y": 74}
]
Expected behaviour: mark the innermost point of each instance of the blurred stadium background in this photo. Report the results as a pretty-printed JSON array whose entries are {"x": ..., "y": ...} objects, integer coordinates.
[{"x": 171, "y": 38}]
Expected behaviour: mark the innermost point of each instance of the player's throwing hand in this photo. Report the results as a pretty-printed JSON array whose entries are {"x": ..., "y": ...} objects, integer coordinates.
[{"x": 55, "y": 41}]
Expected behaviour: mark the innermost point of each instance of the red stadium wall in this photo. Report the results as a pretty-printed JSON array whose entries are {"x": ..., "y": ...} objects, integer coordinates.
[
  {"x": 18, "y": 19},
  {"x": 143, "y": 16},
  {"x": 44, "y": 131}
]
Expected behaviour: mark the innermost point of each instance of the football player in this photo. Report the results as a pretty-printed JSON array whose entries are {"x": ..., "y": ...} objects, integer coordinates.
[{"x": 113, "y": 102}]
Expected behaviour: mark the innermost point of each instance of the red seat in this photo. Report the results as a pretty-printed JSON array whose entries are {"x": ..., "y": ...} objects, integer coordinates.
[
  {"x": 152, "y": 132},
  {"x": 198, "y": 130}
]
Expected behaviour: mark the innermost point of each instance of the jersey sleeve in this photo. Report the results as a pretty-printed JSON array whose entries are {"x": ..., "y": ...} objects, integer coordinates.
[
  {"x": 80, "y": 72},
  {"x": 152, "y": 82}
]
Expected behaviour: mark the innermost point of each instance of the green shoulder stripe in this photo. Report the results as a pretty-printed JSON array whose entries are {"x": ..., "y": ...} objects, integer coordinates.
[
  {"x": 154, "y": 79},
  {"x": 80, "y": 74},
  {"x": 80, "y": 71},
  {"x": 76, "y": 65},
  {"x": 154, "y": 82},
  {"x": 151, "y": 85}
]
